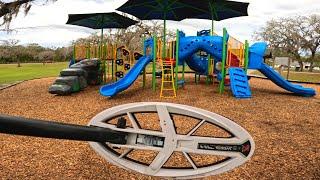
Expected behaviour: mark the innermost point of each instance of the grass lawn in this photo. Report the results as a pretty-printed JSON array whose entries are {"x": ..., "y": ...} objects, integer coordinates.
[
  {"x": 297, "y": 76},
  {"x": 10, "y": 73}
]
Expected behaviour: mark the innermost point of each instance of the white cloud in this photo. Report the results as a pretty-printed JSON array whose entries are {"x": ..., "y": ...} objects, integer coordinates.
[
  {"x": 50, "y": 36},
  {"x": 50, "y": 29}
]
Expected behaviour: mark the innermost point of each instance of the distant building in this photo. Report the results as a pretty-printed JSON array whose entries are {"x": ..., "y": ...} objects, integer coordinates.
[
  {"x": 284, "y": 61},
  {"x": 296, "y": 64}
]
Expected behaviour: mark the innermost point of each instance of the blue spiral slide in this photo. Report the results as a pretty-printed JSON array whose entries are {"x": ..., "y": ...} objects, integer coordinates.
[{"x": 124, "y": 83}]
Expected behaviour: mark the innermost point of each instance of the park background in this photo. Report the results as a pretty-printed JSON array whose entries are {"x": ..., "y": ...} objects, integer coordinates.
[{"x": 34, "y": 46}]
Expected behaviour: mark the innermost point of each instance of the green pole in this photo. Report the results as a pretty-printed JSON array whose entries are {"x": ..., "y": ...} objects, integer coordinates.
[
  {"x": 116, "y": 65},
  {"x": 183, "y": 70},
  {"x": 87, "y": 47},
  {"x": 209, "y": 70},
  {"x": 99, "y": 52},
  {"x": 164, "y": 37},
  {"x": 88, "y": 50},
  {"x": 224, "y": 56},
  {"x": 211, "y": 66},
  {"x": 208, "y": 79},
  {"x": 154, "y": 63},
  {"x": 101, "y": 57},
  {"x": 103, "y": 48},
  {"x": 74, "y": 52},
  {"x": 212, "y": 27},
  {"x": 144, "y": 70},
  {"x": 177, "y": 59},
  {"x": 112, "y": 63},
  {"x": 106, "y": 64},
  {"x": 246, "y": 60}
]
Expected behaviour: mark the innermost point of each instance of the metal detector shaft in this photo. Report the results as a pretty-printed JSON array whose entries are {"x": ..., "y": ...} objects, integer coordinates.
[{"x": 48, "y": 129}]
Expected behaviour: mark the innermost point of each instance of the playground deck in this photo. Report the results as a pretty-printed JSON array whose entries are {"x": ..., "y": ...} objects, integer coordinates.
[{"x": 285, "y": 129}]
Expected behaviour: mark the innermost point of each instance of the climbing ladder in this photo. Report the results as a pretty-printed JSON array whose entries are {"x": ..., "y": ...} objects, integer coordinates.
[
  {"x": 239, "y": 83},
  {"x": 168, "y": 89}
]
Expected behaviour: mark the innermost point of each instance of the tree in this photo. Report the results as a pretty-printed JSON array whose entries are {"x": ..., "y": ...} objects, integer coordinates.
[
  {"x": 294, "y": 36},
  {"x": 10, "y": 10},
  {"x": 63, "y": 54},
  {"x": 309, "y": 33},
  {"x": 11, "y": 53},
  {"x": 279, "y": 34},
  {"x": 11, "y": 44},
  {"x": 46, "y": 56},
  {"x": 317, "y": 61}
]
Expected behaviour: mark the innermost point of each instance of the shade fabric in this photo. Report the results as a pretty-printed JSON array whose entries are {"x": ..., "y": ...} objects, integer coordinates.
[
  {"x": 100, "y": 20},
  {"x": 161, "y": 9},
  {"x": 220, "y": 9}
]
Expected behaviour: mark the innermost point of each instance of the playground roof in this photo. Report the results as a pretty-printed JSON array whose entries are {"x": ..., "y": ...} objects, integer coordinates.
[
  {"x": 221, "y": 9},
  {"x": 161, "y": 9},
  {"x": 100, "y": 20}
]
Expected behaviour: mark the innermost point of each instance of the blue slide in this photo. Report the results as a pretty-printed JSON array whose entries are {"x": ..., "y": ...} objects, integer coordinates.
[
  {"x": 280, "y": 81},
  {"x": 256, "y": 53},
  {"x": 124, "y": 83}
]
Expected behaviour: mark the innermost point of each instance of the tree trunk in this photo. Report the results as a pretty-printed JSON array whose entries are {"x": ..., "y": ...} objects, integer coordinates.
[
  {"x": 313, "y": 54},
  {"x": 301, "y": 66},
  {"x": 311, "y": 66},
  {"x": 18, "y": 61}
]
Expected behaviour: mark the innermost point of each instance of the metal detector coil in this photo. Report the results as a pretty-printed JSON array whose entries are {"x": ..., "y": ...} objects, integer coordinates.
[
  {"x": 236, "y": 148},
  {"x": 119, "y": 134}
]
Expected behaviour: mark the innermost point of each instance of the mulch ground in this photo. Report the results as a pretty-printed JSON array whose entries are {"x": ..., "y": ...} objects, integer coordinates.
[{"x": 285, "y": 129}]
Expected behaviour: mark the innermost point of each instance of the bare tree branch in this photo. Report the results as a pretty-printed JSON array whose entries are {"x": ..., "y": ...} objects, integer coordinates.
[
  {"x": 10, "y": 10},
  {"x": 293, "y": 36}
]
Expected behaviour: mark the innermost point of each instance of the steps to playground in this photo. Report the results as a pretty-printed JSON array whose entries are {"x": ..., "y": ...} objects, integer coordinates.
[
  {"x": 77, "y": 77},
  {"x": 239, "y": 83}
]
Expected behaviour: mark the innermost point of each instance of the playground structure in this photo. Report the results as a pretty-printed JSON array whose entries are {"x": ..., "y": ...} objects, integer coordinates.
[
  {"x": 115, "y": 141},
  {"x": 116, "y": 59},
  {"x": 93, "y": 64},
  {"x": 223, "y": 58}
]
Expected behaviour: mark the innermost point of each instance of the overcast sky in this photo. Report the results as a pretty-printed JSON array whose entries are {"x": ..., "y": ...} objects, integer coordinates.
[{"x": 45, "y": 24}]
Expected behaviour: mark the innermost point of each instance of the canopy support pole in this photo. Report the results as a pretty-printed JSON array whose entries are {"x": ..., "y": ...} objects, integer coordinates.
[
  {"x": 154, "y": 82},
  {"x": 164, "y": 37},
  {"x": 144, "y": 70}
]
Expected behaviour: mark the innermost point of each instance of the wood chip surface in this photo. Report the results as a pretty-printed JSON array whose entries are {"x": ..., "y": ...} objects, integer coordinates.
[{"x": 285, "y": 128}]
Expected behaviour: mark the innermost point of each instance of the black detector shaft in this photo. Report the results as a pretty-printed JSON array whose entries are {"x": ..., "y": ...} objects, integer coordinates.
[{"x": 49, "y": 129}]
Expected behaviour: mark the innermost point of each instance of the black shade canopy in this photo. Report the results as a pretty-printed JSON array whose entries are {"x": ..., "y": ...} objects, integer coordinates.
[
  {"x": 161, "y": 9},
  {"x": 100, "y": 20},
  {"x": 220, "y": 9}
]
